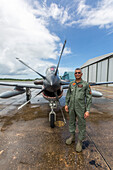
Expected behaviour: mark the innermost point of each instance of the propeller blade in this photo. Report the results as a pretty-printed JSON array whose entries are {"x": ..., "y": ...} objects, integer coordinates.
[
  {"x": 31, "y": 68},
  {"x": 60, "y": 57},
  {"x": 30, "y": 100},
  {"x": 40, "y": 92},
  {"x": 60, "y": 107},
  {"x": 23, "y": 105}
]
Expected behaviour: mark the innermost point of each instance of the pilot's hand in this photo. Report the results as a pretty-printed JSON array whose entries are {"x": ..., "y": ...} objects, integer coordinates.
[
  {"x": 86, "y": 114},
  {"x": 66, "y": 108}
]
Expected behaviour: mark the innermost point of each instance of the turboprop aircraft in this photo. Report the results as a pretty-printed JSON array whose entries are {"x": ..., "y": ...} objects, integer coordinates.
[{"x": 51, "y": 87}]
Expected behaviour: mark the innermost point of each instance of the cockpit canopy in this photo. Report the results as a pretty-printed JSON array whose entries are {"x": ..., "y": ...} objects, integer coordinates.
[{"x": 51, "y": 70}]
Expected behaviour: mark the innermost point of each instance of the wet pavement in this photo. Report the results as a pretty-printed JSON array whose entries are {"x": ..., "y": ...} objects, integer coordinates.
[{"x": 28, "y": 143}]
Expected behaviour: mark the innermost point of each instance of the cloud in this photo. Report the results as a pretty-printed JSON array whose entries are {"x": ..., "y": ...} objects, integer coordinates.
[
  {"x": 87, "y": 16},
  {"x": 25, "y": 35},
  {"x": 77, "y": 12},
  {"x": 58, "y": 13}
]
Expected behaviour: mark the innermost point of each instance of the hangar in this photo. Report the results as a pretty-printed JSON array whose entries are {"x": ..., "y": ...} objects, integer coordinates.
[{"x": 98, "y": 69}]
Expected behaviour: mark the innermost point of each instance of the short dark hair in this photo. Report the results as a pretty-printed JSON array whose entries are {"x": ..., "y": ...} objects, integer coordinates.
[{"x": 78, "y": 69}]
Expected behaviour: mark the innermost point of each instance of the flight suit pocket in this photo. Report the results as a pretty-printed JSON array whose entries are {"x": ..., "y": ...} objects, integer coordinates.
[
  {"x": 71, "y": 102},
  {"x": 80, "y": 93},
  {"x": 72, "y": 89}
]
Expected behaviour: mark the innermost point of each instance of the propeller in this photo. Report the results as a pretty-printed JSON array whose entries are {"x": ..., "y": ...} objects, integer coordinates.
[
  {"x": 60, "y": 107},
  {"x": 31, "y": 68},
  {"x": 60, "y": 57},
  {"x": 30, "y": 99}
]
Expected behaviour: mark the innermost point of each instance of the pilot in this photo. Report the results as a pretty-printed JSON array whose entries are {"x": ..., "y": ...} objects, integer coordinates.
[{"x": 78, "y": 102}]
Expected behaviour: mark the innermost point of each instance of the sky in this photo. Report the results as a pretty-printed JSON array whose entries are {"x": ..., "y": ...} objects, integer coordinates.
[{"x": 35, "y": 30}]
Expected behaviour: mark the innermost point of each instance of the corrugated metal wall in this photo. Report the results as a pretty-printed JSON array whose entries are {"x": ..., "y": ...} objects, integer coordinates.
[
  {"x": 85, "y": 72},
  {"x": 110, "y": 77},
  {"x": 101, "y": 71},
  {"x": 92, "y": 73}
]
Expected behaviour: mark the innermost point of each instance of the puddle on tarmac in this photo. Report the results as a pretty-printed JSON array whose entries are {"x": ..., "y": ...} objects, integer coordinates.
[
  {"x": 30, "y": 112},
  {"x": 93, "y": 162},
  {"x": 59, "y": 123}
]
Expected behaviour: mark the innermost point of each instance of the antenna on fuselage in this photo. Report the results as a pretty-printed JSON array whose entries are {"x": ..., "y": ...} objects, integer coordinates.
[{"x": 60, "y": 58}]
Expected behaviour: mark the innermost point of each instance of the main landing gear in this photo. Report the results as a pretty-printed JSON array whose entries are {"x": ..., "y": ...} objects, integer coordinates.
[
  {"x": 28, "y": 94},
  {"x": 52, "y": 114}
]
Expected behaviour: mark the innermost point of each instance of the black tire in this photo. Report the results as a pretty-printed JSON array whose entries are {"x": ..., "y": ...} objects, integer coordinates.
[
  {"x": 27, "y": 97},
  {"x": 52, "y": 119}
]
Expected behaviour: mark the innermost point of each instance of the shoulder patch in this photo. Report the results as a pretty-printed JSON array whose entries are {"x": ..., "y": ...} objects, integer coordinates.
[
  {"x": 80, "y": 85},
  {"x": 74, "y": 84}
]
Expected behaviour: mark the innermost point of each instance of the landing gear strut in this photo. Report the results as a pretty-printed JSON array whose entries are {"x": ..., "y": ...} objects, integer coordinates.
[
  {"x": 28, "y": 94},
  {"x": 52, "y": 114}
]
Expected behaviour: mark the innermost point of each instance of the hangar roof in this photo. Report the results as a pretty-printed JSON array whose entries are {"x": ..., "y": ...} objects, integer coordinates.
[{"x": 96, "y": 59}]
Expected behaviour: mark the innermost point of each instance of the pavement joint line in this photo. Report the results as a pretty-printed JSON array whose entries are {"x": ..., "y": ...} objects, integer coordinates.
[{"x": 98, "y": 150}]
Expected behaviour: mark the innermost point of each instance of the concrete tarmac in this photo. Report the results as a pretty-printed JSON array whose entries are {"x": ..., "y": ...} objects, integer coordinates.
[{"x": 28, "y": 143}]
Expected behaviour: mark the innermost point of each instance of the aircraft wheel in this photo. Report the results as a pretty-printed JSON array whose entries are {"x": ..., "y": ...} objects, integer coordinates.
[
  {"x": 28, "y": 97},
  {"x": 28, "y": 94},
  {"x": 52, "y": 119}
]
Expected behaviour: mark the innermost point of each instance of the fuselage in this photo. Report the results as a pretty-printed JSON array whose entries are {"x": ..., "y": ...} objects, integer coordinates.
[{"x": 52, "y": 84}]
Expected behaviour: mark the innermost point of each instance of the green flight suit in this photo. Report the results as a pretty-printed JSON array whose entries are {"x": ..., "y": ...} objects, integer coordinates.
[{"x": 78, "y": 100}]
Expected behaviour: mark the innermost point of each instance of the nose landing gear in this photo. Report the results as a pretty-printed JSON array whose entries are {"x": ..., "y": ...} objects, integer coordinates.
[{"x": 52, "y": 114}]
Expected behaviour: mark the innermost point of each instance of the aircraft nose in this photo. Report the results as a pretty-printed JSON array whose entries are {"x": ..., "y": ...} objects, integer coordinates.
[{"x": 52, "y": 81}]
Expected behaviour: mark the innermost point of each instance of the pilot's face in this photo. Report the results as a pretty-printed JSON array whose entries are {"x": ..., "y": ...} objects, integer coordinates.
[{"x": 78, "y": 74}]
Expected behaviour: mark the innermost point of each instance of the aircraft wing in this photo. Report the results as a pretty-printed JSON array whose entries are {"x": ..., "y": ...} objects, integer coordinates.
[
  {"x": 63, "y": 82},
  {"x": 65, "y": 86},
  {"x": 21, "y": 85},
  {"x": 100, "y": 83}
]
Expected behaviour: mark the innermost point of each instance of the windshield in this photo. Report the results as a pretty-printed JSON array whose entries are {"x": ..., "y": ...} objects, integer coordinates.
[{"x": 51, "y": 70}]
